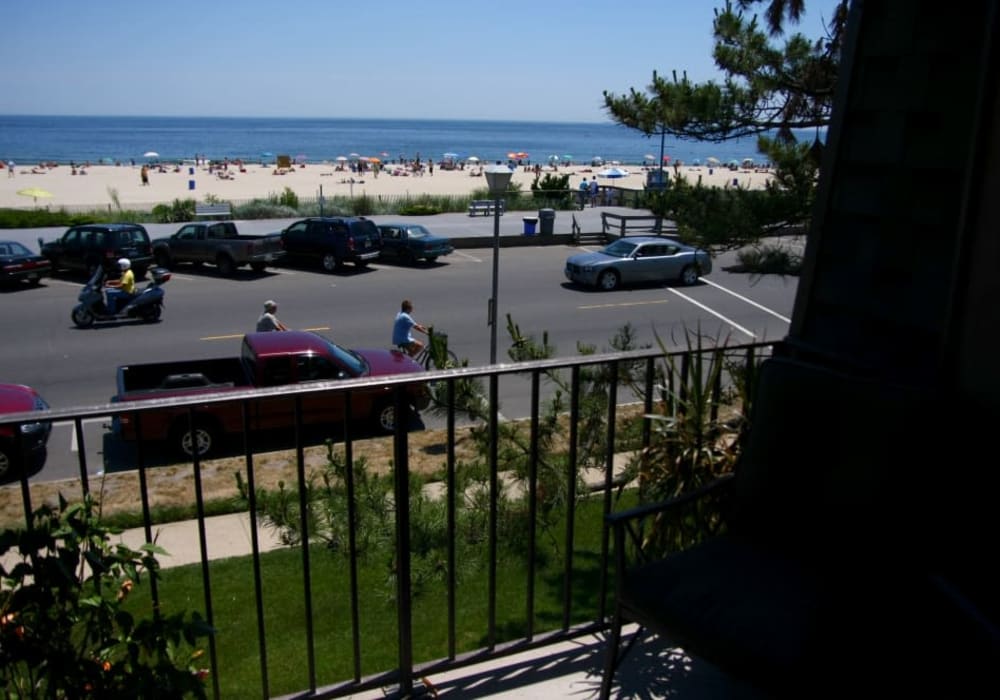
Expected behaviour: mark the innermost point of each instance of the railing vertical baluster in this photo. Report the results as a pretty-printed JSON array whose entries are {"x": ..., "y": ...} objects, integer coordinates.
[
  {"x": 491, "y": 633},
  {"x": 81, "y": 447},
  {"x": 609, "y": 473},
  {"x": 532, "y": 502},
  {"x": 452, "y": 518},
  {"x": 352, "y": 539},
  {"x": 300, "y": 467},
  {"x": 22, "y": 469},
  {"x": 147, "y": 517},
  {"x": 401, "y": 496},
  {"x": 647, "y": 404},
  {"x": 206, "y": 581},
  {"x": 258, "y": 581},
  {"x": 571, "y": 472}
]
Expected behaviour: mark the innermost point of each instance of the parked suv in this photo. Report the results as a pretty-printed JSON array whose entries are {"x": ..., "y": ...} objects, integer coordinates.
[
  {"x": 84, "y": 248},
  {"x": 332, "y": 241}
]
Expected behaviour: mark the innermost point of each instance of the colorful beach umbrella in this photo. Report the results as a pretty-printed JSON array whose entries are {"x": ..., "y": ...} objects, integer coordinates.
[
  {"x": 35, "y": 193},
  {"x": 614, "y": 173},
  {"x": 150, "y": 154}
]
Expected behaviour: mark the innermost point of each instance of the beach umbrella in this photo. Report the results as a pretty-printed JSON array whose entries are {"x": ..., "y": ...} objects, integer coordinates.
[
  {"x": 712, "y": 160},
  {"x": 355, "y": 155},
  {"x": 614, "y": 173},
  {"x": 450, "y": 155},
  {"x": 384, "y": 154},
  {"x": 472, "y": 159},
  {"x": 107, "y": 161},
  {"x": 35, "y": 193},
  {"x": 649, "y": 156},
  {"x": 666, "y": 159},
  {"x": 567, "y": 156},
  {"x": 341, "y": 159},
  {"x": 553, "y": 157},
  {"x": 266, "y": 154},
  {"x": 150, "y": 154},
  {"x": 301, "y": 158},
  {"x": 373, "y": 159}
]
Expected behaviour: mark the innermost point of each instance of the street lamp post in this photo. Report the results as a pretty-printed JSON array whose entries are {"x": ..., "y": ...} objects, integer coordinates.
[{"x": 497, "y": 178}]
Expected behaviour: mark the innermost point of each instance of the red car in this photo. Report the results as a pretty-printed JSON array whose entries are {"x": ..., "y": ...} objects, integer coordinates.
[{"x": 17, "y": 398}]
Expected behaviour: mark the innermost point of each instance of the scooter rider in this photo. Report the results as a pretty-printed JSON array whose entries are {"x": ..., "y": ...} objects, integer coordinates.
[{"x": 121, "y": 290}]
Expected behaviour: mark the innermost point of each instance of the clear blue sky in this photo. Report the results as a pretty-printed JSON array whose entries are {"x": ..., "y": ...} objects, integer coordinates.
[{"x": 544, "y": 60}]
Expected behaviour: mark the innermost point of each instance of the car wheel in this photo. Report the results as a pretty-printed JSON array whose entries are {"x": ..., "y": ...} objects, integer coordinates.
[
  {"x": 6, "y": 461},
  {"x": 162, "y": 259},
  {"x": 203, "y": 439},
  {"x": 225, "y": 265},
  {"x": 82, "y": 316},
  {"x": 258, "y": 266},
  {"x": 689, "y": 275},
  {"x": 431, "y": 259},
  {"x": 385, "y": 417},
  {"x": 608, "y": 280},
  {"x": 330, "y": 262},
  {"x": 407, "y": 257}
]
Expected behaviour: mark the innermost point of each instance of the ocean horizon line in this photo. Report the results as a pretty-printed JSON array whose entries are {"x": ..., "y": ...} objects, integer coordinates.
[{"x": 454, "y": 120}]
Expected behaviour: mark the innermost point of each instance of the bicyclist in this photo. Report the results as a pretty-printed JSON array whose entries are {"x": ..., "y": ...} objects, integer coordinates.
[{"x": 402, "y": 330}]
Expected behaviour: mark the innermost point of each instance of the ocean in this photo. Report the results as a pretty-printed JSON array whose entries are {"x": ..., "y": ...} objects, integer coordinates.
[{"x": 108, "y": 139}]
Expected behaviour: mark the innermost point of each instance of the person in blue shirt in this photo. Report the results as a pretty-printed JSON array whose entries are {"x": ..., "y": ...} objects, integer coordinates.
[{"x": 402, "y": 330}]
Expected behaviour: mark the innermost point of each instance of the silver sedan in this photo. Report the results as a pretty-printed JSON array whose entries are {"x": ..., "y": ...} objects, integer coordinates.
[{"x": 639, "y": 260}]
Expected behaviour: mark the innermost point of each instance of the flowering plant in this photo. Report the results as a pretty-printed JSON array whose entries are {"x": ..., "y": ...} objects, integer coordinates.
[{"x": 66, "y": 629}]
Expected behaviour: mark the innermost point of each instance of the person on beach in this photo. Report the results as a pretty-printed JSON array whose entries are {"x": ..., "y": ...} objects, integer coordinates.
[
  {"x": 268, "y": 321},
  {"x": 10, "y": 168},
  {"x": 402, "y": 330},
  {"x": 144, "y": 175}
]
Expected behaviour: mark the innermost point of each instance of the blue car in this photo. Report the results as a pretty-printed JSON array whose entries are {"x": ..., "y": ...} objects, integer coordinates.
[{"x": 409, "y": 243}]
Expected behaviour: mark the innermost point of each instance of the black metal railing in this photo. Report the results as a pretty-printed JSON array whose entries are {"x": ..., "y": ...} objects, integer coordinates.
[{"x": 654, "y": 379}]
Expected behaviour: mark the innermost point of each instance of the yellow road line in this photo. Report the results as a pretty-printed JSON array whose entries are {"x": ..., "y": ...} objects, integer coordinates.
[
  {"x": 625, "y": 303},
  {"x": 240, "y": 335}
]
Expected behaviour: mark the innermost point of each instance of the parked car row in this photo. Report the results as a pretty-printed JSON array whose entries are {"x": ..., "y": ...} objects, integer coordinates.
[{"x": 329, "y": 241}]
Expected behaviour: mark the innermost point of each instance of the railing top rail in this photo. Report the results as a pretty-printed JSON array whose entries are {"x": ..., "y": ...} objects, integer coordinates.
[{"x": 345, "y": 385}]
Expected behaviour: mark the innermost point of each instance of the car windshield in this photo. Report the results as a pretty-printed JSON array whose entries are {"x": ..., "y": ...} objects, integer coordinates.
[
  {"x": 350, "y": 360},
  {"x": 620, "y": 249},
  {"x": 13, "y": 248},
  {"x": 417, "y": 231}
]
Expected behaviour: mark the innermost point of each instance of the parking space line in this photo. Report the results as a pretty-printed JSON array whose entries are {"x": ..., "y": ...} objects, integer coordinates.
[
  {"x": 748, "y": 301},
  {"x": 701, "y": 306}
]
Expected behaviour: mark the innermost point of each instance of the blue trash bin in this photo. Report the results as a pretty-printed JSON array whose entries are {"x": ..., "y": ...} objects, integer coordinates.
[
  {"x": 190, "y": 184},
  {"x": 529, "y": 225}
]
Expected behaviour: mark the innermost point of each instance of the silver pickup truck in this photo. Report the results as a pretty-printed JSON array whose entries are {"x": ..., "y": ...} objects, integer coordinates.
[{"x": 220, "y": 244}]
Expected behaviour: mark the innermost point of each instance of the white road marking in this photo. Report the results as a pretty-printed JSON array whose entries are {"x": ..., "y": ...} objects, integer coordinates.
[
  {"x": 735, "y": 325},
  {"x": 73, "y": 444},
  {"x": 748, "y": 301},
  {"x": 473, "y": 258}
]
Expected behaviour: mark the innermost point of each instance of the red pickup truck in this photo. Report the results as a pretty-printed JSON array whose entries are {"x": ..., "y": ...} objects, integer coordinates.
[{"x": 267, "y": 360}]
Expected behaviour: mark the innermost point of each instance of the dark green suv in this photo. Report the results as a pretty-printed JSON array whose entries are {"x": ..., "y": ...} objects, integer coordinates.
[
  {"x": 332, "y": 241},
  {"x": 84, "y": 248}
]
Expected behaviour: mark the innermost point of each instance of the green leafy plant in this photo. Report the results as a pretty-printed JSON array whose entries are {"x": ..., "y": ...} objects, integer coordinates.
[{"x": 66, "y": 629}]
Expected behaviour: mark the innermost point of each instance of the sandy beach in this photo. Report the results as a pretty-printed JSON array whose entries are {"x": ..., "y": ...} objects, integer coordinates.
[{"x": 100, "y": 183}]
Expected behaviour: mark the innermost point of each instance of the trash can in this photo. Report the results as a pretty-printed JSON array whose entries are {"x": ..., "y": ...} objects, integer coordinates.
[
  {"x": 547, "y": 221},
  {"x": 190, "y": 184},
  {"x": 529, "y": 225},
  {"x": 191, "y": 171}
]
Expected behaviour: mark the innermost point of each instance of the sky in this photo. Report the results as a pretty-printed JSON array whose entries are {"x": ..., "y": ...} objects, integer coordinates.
[{"x": 545, "y": 60}]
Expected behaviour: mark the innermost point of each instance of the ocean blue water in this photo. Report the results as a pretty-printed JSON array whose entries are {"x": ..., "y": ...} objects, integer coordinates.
[{"x": 32, "y": 139}]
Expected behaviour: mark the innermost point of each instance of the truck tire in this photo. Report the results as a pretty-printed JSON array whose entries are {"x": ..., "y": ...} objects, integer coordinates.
[
  {"x": 205, "y": 437},
  {"x": 330, "y": 262},
  {"x": 225, "y": 265},
  {"x": 258, "y": 266}
]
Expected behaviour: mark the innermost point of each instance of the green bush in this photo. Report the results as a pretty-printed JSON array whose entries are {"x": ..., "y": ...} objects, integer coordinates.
[
  {"x": 65, "y": 626},
  {"x": 38, "y": 218}
]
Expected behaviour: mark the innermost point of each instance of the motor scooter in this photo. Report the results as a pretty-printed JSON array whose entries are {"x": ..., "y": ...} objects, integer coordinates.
[{"x": 146, "y": 305}]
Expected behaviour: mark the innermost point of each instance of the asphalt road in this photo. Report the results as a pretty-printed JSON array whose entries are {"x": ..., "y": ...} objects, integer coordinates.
[{"x": 206, "y": 315}]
